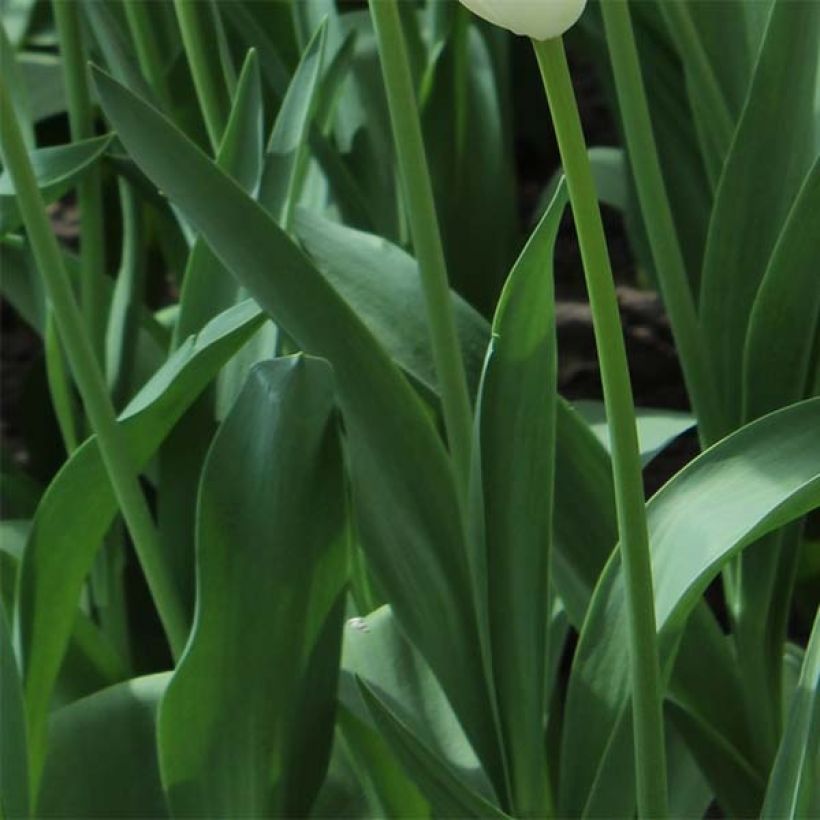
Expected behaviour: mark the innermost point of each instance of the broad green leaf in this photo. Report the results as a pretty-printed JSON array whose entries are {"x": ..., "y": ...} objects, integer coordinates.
[
  {"x": 448, "y": 796},
  {"x": 752, "y": 482},
  {"x": 656, "y": 428},
  {"x": 56, "y": 169},
  {"x": 102, "y": 758},
  {"x": 381, "y": 283},
  {"x": 514, "y": 463},
  {"x": 780, "y": 341},
  {"x": 376, "y": 653},
  {"x": 399, "y": 469},
  {"x": 754, "y": 197},
  {"x": 793, "y": 779},
  {"x": 67, "y": 531},
  {"x": 269, "y": 552},
  {"x": 14, "y": 797}
]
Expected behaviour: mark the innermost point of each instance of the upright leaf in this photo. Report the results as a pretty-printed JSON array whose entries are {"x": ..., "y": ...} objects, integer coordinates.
[
  {"x": 794, "y": 776},
  {"x": 14, "y": 798},
  {"x": 771, "y": 152},
  {"x": 515, "y": 469},
  {"x": 399, "y": 468},
  {"x": 270, "y": 565},
  {"x": 781, "y": 339}
]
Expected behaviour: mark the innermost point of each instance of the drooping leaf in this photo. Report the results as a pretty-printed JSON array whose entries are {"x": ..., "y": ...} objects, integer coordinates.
[{"x": 269, "y": 552}]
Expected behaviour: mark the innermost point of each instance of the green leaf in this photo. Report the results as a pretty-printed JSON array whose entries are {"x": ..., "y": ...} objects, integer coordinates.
[
  {"x": 793, "y": 779},
  {"x": 278, "y": 190},
  {"x": 465, "y": 130},
  {"x": 751, "y": 483},
  {"x": 269, "y": 552},
  {"x": 102, "y": 759},
  {"x": 376, "y": 653},
  {"x": 399, "y": 468},
  {"x": 381, "y": 283},
  {"x": 67, "y": 531},
  {"x": 13, "y": 746},
  {"x": 754, "y": 197},
  {"x": 514, "y": 467},
  {"x": 781, "y": 337},
  {"x": 448, "y": 796},
  {"x": 656, "y": 428},
  {"x": 56, "y": 169},
  {"x": 207, "y": 288}
]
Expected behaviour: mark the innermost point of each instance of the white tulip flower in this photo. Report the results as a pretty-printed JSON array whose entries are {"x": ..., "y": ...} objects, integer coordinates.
[{"x": 538, "y": 19}]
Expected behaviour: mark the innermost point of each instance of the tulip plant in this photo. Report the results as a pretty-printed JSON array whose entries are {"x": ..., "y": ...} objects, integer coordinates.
[{"x": 305, "y": 527}]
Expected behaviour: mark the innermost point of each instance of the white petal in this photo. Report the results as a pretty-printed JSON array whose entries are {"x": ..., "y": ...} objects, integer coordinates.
[{"x": 539, "y": 19}]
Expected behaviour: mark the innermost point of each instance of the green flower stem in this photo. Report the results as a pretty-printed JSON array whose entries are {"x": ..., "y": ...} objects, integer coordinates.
[
  {"x": 89, "y": 189},
  {"x": 650, "y": 755},
  {"x": 89, "y": 379},
  {"x": 197, "y": 37},
  {"x": 660, "y": 225},
  {"x": 421, "y": 211},
  {"x": 146, "y": 45}
]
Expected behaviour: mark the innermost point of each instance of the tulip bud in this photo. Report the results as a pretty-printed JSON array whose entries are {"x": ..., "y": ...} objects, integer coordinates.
[{"x": 538, "y": 19}]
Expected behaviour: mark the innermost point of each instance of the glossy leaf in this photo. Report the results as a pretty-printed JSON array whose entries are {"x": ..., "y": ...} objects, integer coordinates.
[
  {"x": 269, "y": 552},
  {"x": 752, "y": 482},
  {"x": 448, "y": 796},
  {"x": 67, "y": 531},
  {"x": 398, "y": 465},
  {"x": 514, "y": 469}
]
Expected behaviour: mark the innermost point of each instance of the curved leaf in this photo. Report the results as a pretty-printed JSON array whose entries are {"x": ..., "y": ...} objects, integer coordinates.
[
  {"x": 67, "y": 531},
  {"x": 793, "y": 779},
  {"x": 399, "y": 468},
  {"x": 753, "y": 196},
  {"x": 13, "y": 744},
  {"x": 514, "y": 464},
  {"x": 102, "y": 759},
  {"x": 766, "y": 474},
  {"x": 56, "y": 169},
  {"x": 270, "y": 566}
]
